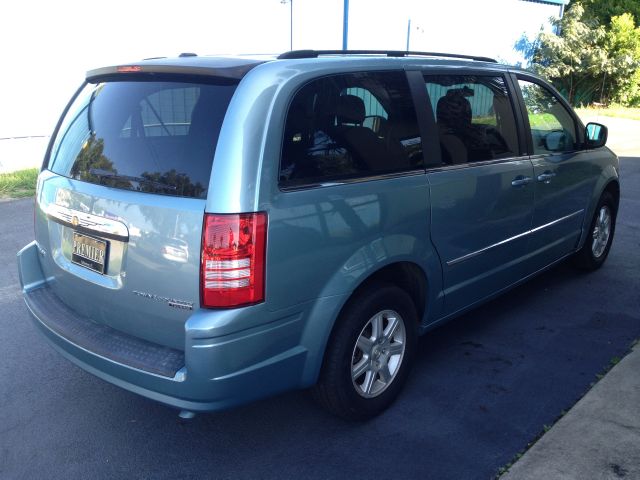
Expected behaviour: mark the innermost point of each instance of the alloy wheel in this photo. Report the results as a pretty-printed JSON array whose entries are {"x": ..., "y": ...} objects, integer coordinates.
[
  {"x": 601, "y": 232},
  {"x": 378, "y": 353}
]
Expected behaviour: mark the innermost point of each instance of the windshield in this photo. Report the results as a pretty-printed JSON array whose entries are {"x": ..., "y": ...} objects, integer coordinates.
[{"x": 156, "y": 137}]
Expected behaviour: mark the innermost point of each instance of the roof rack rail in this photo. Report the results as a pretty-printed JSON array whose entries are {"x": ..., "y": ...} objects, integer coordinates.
[{"x": 389, "y": 53}]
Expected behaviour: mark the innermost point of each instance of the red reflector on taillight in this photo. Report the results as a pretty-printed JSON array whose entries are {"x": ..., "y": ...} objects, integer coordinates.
[{"x": 233, "y": 258}]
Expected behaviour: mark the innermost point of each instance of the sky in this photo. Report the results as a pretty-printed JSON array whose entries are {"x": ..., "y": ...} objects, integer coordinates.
[{"x": 47, "y": 46}]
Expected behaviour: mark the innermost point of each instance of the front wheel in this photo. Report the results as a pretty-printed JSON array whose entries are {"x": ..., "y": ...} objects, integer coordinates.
[
  {"x": 598, "y": 243},
  {"x": 369, "y": 353}
]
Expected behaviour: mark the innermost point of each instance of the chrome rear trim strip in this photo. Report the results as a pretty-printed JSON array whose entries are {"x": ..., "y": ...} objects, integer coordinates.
[
  {"x": 510, "y": 239},
  {"x": 567, "y": 217},
  {"x": 87, "y": 222},
  {"x": 482, "y": 250}
]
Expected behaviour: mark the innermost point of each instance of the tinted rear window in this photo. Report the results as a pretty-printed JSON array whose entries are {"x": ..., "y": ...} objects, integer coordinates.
[{"x": 156, "y": 137}]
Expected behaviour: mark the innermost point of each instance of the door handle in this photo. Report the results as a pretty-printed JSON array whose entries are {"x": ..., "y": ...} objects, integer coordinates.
[
  {"x": 520, "y": 181},
  {"x": 546, "y": 176}
]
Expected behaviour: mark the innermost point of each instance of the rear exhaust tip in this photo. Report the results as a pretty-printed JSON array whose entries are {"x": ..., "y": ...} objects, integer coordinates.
[{"x": 186, "y": 414}]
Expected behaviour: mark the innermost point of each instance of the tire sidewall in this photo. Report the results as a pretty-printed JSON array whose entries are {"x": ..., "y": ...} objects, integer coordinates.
[
  {"x": 593, "y": 261},
  {"x": 354, "y": 319}
]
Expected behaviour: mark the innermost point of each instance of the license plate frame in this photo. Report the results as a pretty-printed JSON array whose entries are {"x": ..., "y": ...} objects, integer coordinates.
[{"x": 90, "y": 252}]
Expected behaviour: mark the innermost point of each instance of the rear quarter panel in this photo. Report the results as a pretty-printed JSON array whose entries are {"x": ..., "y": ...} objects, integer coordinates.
[{"x": 322, "y": 242}]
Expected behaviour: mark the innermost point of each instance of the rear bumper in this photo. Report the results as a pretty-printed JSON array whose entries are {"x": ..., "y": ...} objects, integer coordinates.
[{"x": 211, "y": 373}]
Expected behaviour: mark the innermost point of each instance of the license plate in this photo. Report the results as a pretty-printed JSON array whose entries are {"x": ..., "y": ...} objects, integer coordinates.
[{"x": 90, "y": 252}]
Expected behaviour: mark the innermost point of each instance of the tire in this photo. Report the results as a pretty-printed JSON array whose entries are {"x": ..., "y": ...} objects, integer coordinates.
[
  {"x": 369, "y": 353},
  {"x": 598, "y": 242}
]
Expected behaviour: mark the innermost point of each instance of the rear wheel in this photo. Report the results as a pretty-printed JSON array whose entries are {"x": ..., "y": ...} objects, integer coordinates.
[
  {"x": 598, "y": 243},
  {"x": 369, "y": 353}
]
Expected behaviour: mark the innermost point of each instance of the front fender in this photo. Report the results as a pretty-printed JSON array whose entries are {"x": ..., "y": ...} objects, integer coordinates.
[{"x": 608, "y": 175}]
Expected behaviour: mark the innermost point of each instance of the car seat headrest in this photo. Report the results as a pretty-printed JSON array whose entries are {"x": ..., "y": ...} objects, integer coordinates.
[
  {"x": 454, "y": 110},
  {"x": 350, "y": 109}
]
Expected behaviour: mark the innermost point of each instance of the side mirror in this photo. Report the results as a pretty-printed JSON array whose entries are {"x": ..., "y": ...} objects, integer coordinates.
[
  {"x": 596, "y": 135},
  {"x": 555, "y": 141}
]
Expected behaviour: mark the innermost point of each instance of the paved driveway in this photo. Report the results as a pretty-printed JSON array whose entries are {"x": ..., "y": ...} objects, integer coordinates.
[
  {"x": 624, "y": 137},
  {"x": 484, "y": 386}
]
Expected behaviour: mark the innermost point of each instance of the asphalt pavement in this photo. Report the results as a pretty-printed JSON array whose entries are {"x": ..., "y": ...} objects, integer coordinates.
[
  {"x": 623, "y": 133},
  {"x": 599, "y": 438},
  {"x": 484, "y": 386}
]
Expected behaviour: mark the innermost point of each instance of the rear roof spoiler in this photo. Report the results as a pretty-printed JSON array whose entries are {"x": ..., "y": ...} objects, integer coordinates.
[{"x": 235, "y": 72}]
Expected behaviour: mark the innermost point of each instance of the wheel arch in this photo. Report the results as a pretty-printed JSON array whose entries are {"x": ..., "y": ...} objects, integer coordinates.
[
  {"x": 613, "y": 187},
  {"x": 609, "y": 183},
  {"x": 407, "y": 275}
]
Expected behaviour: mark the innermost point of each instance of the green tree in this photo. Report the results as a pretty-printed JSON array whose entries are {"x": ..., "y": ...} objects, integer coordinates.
[
  {"x": 604, "y": 11},
  {"x": 622, "y": 43},
  {"x": 574, "y": 59},
  {"x": 91, "y": 157},
  {"x": 587, "y": 61}
]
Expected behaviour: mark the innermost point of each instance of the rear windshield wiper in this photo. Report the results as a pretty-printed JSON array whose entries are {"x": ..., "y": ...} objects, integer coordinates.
[{"x": 107, "y": 174}]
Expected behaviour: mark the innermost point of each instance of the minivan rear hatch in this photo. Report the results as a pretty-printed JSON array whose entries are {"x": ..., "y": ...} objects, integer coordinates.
[{"x": 122, "y": 196}]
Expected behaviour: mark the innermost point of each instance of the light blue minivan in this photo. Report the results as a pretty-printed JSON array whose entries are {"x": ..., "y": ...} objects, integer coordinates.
[{"x": 213, "y": 230}]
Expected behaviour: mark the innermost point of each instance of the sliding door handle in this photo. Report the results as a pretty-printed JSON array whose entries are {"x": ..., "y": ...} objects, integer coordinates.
[
  {"x": 520, "y": 181},
  {"x": 546, "y": 176}
]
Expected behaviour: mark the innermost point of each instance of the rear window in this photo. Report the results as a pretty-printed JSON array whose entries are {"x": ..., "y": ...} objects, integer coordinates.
[{"x": 156, "y": 137}]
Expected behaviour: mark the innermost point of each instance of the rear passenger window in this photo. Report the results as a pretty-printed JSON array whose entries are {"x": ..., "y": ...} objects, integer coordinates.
[
  {"x": 552, "y": 126},
  {"x": 474, "y": 118},
  {"x": 353, "y": 125}
]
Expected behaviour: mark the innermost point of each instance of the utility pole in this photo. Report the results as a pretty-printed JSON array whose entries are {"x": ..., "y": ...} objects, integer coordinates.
[
  {"x": 290, "y": 2},
  {"x": 345, "y": 24},
  {"x": 408, "y": 33}
]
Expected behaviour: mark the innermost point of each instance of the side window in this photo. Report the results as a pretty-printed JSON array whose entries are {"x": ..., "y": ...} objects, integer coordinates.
[
  {"x": 352, "y": 125},
  {"x": 474, "y": 117},
  {"x": 552, "y": 126}
]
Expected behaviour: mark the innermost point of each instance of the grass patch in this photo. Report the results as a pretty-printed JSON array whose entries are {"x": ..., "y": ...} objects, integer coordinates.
[
  {"x": 18, "y": 184},
  {"x": 613, "y": 111},
  {"x": 544, "y": 121}
]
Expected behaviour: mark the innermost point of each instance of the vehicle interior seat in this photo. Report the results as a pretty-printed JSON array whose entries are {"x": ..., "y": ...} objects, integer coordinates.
[
  {"x": 297, "y": 137},
  {"x": 361, "y": 142},
  {"x": 505, "y": 125},
  {"x": 453, "y": 116}
]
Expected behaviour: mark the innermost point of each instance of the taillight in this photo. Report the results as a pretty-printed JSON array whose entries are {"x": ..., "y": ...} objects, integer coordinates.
[{"x": 233, "y": 258}]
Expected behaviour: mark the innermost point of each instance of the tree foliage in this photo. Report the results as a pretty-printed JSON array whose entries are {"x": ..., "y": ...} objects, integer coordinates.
[
  {"x": 589, "y": 61},
  {"x": 623, "y": 47},
  {"x": 604, "y": 11}
]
